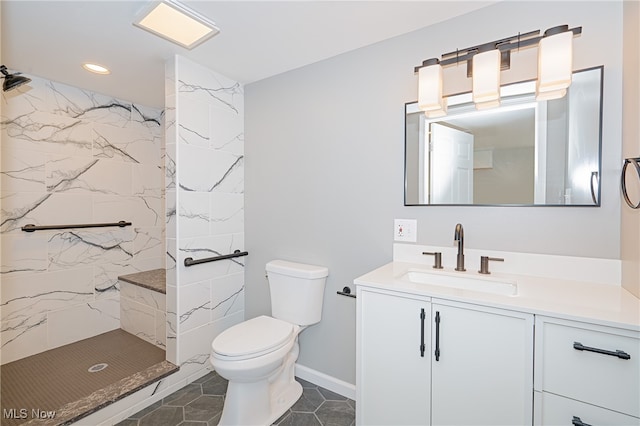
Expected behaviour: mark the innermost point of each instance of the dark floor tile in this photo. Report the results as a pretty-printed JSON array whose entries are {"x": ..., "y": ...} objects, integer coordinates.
[
  {"x": 215, "y": 385},
  {"x": 128, "y": 422},
  {"x": 189, "y": 423},
  {"x": 310, "y": 400},
  {"x": 305, "y": 384},
  {"x": 206, "y": 377},
  {"x": 146, "y": 411},
  {"x": 204, "y": 408},
  {"x": 163, "y": 416},
  {"x": 336, "y": 413},
  {"x": 331, "y": 396},
  {"x": 214, "y": 421},
  {"x": 300, "y": 419},
  {"x": 184, "y": 396}
]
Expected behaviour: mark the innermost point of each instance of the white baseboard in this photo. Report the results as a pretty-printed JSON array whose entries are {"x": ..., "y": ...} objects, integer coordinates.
[{"x": 323, "y": 380}]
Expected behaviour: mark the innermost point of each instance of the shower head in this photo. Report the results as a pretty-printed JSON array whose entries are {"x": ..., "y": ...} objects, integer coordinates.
[{"x": 11, "y": 81}]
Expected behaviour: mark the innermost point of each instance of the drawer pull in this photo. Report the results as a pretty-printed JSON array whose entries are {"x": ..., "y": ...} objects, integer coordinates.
[
  {"x": 577, "y": 422},
  {"x": 618, "y": 353}
]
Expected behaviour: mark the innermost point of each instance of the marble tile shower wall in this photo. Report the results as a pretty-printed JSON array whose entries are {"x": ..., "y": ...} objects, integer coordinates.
[
  {"x": 72, "y": 156},
  {"x": 205, "y": 209}
]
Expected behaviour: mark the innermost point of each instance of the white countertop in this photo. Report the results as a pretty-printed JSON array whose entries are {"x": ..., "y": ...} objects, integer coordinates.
[{"x": 576, "y": 300}]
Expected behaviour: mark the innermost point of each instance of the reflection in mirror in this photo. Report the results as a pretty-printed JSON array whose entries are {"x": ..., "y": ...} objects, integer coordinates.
[{"x": 525, "y": 152}]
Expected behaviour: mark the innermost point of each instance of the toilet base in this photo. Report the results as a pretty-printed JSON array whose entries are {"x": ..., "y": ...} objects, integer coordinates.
[{"x": 264, "y": 410}]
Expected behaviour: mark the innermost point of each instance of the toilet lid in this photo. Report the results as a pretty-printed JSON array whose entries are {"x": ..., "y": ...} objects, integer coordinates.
[{"x": 256, "y": 336}]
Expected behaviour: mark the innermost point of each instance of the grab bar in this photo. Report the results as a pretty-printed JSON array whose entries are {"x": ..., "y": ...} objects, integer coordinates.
[
  {"x": 623, "y": 183},
  {"x": 237, "y": 253},
  {"x": 31, "y": 227}
]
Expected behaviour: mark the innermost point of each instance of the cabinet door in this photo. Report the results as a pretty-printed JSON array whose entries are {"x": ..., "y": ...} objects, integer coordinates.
[
  {"x": 483, "y": 371},
  {"x": 392, "y": 384}
]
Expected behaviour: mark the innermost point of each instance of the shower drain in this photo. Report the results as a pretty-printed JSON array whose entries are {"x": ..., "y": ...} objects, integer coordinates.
[{"x": 97, "y": 367}]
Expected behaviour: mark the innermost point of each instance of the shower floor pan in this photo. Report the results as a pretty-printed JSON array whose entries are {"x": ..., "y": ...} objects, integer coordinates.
[{"x": 65, "y": 384}]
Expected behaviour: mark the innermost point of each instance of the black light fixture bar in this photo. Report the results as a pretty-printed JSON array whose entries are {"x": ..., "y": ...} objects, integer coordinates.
[{"x": 504, "y": 45}]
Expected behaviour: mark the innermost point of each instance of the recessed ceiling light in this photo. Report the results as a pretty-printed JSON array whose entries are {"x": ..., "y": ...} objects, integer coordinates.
[
  {"x": 95, "y": 68},
  {"x": 177, "y": 23}
]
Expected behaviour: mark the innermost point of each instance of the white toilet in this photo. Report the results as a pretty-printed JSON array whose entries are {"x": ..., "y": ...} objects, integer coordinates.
[{"x": 258, "y": 356}]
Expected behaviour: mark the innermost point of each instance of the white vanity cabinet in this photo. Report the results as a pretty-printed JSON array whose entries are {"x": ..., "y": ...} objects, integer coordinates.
[
  {"x": 482, "y": 373},
  {"x": 393, "y": 384},
  {"x": 462, "y": 364},
  {"x": 586, "y": 374}
]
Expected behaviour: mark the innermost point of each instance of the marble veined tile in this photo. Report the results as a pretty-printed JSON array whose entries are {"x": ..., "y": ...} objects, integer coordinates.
[
  {"x": 193, "y": 123},
  {"x": 148, "y": 243},
  {"x": 50, "y": 133},
  {"x": 227, "y": 213},
  {"x": 138, "y": 319},
  {"x": 194, "y": 305},
  {"x": 22, "y": 170},
  {"x": 23, "y": 254},
  {"x": 227, "y": 295},
  {"x": 205, "y": 170},
  {"x": 98, "y": 317},
  {"x": 76, "y": 248},
  {"x": 193, "y": 214},
  {"x": 227, "y": 131},
  {"x": 149, "y": 117},
  {"x": 128, "y": 145},
  {"x": 23, "y": 337},
  {"x": 148, "y": 179},
  {"x": 205, "y": 247},
  {"x": 200, "y": 83},
  {"x": 39, "y": 208},
  {"x": 170, "y": 167},
  {"x": 76, "y": 174},
  {"x": 33, "y": 294},
  {"x": 143, "y": 211}
]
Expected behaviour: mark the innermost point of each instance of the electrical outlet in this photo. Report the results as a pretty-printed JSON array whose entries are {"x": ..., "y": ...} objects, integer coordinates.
[{"x": 405, "y": 230}]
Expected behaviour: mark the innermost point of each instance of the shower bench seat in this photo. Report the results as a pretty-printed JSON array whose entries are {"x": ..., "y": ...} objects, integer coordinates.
[{"x": 143, "y": 305}]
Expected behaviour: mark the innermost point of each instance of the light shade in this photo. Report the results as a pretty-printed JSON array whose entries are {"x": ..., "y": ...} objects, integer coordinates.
[
  {"x": 177, "y": 23},
  {"x": 555, "y": 60},
  {"x": 430, "y": 86},
  {"x": 486, "y": 77}
]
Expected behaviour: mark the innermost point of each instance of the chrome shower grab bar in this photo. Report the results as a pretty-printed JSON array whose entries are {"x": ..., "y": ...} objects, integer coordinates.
[
  {"x": 31, "y": 227},
  {"x": 189, "y": 261}
]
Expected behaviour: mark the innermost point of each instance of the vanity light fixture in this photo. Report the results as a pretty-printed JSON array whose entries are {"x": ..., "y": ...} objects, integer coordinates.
[
  {"x": 177, "y": 23},
  {"x": 430, "y": 97},
  {"x": 12, "y": 81},
  {"x": 555, "y": 60},
  {"x": 486, "y": 77},
  {"x": 96, "y": 69},
  {"x": 485, "y": 61}
]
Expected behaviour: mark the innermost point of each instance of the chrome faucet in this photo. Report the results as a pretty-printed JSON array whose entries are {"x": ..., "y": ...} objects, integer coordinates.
[{"x": 459, "y": 237}]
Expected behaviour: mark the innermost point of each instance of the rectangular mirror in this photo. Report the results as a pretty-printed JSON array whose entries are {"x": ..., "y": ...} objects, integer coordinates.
[{"x": 523, "y": 153}]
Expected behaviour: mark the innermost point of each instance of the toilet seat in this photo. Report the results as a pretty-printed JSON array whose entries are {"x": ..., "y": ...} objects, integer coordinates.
[{"x": 267, "y": 335}]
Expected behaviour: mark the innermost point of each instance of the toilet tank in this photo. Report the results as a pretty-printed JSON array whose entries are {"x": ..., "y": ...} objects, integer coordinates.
[{"x": 297, "y": 291}]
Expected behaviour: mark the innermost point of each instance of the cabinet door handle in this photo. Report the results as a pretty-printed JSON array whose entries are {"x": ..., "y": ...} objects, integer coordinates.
[
  {"x": 437, "y": 352},
  {"x": 422, "y": 318},
  {"x": 577, "y": 422},
  {"x": 617, "y": 353}
]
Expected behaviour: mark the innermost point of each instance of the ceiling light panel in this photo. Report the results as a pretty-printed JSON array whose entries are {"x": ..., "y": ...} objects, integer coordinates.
[{"x": 177, "y": 23}]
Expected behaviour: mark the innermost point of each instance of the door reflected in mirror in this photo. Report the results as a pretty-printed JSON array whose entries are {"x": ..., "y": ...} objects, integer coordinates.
[{"x": 525, "y": 152}]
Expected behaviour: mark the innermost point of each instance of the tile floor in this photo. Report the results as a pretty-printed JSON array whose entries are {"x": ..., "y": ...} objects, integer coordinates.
[{"x": 200, "y": 404}]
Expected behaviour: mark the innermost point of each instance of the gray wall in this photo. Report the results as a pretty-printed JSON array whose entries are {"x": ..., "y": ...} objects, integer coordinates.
[{"x": 324, "y": 164}]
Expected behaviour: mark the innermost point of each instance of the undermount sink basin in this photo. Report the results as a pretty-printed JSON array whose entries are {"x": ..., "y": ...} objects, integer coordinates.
[{"x": 462, "y": 280}]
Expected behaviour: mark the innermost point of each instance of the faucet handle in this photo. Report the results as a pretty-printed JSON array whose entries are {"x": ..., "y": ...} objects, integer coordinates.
[
  {"x": 437, "y": 264},
  {"x": 484, "y": 263}
]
